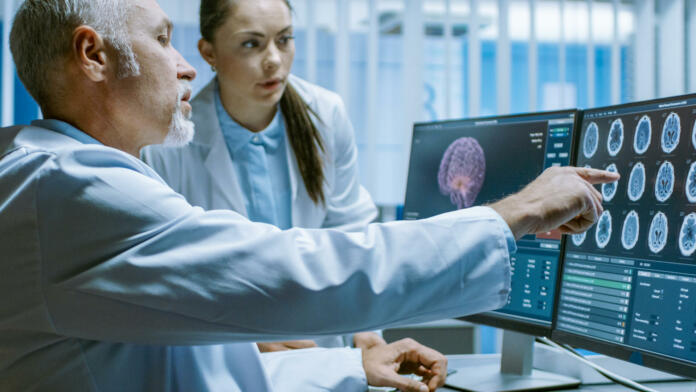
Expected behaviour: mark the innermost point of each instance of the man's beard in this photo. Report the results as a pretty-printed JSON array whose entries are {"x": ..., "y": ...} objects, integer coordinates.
[{"x": 181, "y": 129}]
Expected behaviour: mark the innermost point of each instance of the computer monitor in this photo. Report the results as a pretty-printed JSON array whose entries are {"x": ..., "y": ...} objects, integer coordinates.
[
  {"x": 629, "y": 283},
  {"x": 471, "y": 162}
]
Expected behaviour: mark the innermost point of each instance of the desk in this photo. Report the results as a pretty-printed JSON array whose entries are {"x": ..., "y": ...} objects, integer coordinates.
[
  {"x": 461, "y": 361},
  {"x": 689, "y": 386}
]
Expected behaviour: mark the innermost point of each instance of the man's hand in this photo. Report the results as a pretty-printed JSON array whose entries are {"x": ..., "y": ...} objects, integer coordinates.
[
  {"x": 560, "y": 198},
  {"x": 384, "y": 363},
  {"x": 365, "y": 340},
  {"x": 284, "y": 346}
]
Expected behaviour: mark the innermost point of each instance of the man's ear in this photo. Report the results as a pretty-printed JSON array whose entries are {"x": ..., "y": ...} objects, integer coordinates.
[
  {"x": 207, "y": 51},
  {"x": 89, "y": 52}
]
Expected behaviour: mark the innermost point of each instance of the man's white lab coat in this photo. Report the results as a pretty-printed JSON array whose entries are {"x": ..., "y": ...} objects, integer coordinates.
[{"x": 105, "y": 270}]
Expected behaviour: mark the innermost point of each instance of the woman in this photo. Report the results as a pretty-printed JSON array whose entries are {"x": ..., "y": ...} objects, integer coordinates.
[{"x": 268, "y": 145}]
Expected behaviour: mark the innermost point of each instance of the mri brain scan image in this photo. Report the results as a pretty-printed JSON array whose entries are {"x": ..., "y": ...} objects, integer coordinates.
[
  {"x": 616, "y": 137},
  {"x": 591, "y": 140},
  {"x": 670, "y": 133},
  {"x": 578, "y": 239},
  {"x": 657, "y": 236},
  {"x": 629, "y": 233},
  {"x": 609, "y": 190},
  {"x": 636, "y": 182},
  {"x": 687, "y": 235},
  {"x": 691, "y": 184},
  {"x": 641, "y": 140},
  {"x": 664, "y": 183},
  {"x": 603, "y": 231},
  {"x": 462, "y": 171}
]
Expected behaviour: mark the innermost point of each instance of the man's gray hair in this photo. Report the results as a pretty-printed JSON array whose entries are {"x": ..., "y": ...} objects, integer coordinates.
[{"x": 41, "y": 37}]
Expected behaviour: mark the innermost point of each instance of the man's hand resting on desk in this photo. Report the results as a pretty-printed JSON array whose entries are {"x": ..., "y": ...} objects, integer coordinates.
[
  {"x": 384, "y": 363},
  {"x": 560, "y": 198}
]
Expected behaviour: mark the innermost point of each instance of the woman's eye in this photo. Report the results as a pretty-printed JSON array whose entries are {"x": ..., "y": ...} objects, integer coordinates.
[
  {"x": 250, "y": 44},
  {"x": 163, "y": 40},
  {"x": 286, "y": 38}
]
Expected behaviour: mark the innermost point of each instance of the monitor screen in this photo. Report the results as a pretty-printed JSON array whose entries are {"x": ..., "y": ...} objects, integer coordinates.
[
  {"x": 629, "y": 283},
  {"x": 472, "y": 162}
]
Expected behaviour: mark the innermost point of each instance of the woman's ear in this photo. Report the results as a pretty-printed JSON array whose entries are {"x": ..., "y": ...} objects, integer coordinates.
[{"x": 207, "y": 51}]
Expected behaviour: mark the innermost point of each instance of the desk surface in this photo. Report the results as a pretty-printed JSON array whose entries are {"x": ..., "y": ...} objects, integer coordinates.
[
  {"x": 662, "y": 387},
  {"x": 463, "y": 361}
]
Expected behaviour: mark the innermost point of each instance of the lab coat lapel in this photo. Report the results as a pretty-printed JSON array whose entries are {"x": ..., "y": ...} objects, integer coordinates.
[{"x": 218, "y": 162}]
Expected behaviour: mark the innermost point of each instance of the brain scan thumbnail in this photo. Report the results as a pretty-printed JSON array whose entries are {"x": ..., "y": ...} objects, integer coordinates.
[
  {"x": 603, "y": 231},
  {"x": 578, "y": 239},
  {"x": 670, "y": 133},
  {"x": 687, "y": 235},
  {"x": 462, "y": 171},
  {"x": 591, "y": 140},
  {"x": 641, "y": 140},
  {"x": 664, "y": 184},
  {"x": 616, "y": 137},
  {"x": 629, "y": 233},
  {"x": 609, "y": 190},
  {"x": 657, "y": 236},
  {"x": 636, "y": 182},
  {"x": 691, "y": 184}
]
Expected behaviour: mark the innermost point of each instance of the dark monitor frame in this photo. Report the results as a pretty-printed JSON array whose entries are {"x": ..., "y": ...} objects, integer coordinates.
[
  {"x": 634, "y": 355},
  {"x": 503, "y": 320}
]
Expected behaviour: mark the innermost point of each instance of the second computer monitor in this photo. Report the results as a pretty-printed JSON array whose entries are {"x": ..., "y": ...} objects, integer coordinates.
[
  {"x": 629, "y": 283},
  {"x": 472, "y": 162}
]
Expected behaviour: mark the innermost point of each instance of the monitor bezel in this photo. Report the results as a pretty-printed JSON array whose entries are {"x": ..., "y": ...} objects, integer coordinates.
[
  {"x": 494, "y": 318},
  {"x": 644, "y": 358}
]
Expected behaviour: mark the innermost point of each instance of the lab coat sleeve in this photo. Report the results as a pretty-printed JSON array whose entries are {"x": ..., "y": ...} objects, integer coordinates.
[
  {"x": 316, "y": 369},
  {"x": 124, "y": 258},
  {"x": 349, "y": 205}
]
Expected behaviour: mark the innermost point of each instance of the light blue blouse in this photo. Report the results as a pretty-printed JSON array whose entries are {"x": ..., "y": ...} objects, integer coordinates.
[{"x": 261, "y": 164}]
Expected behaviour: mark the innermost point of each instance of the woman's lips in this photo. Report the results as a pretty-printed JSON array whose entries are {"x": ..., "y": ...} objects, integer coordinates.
[{"x": 270, "y": 85}]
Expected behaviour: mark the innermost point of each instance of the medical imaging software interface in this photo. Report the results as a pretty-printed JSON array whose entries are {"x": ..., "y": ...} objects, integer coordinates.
[
  {"x": 631, "y": 279},
  {"x": 460, "y": 164}
]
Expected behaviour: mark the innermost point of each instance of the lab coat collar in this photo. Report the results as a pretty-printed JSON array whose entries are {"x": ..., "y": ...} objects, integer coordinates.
[{"x": 66, "y": 129}]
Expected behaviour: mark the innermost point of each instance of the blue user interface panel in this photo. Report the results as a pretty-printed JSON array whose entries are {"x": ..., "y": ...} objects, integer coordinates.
[
  {"x": 465, "y": 163},
  {"x": 630, "y": 280}
]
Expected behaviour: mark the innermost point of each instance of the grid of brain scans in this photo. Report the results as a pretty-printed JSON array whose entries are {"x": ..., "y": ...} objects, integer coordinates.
[{"x": 630, "y": 278}]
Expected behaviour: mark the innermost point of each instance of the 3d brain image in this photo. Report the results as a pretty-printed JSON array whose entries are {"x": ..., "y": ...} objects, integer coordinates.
[
  {"x": 616, "y": 137},
  {"x": 578, "y": 239},
  {"x": 462, "y": 171},
  {"x": 591, "y": 140},
  {"x": 629, "y": 233},
  {"x": 636, "y": 182},
  {"x": 603, "y": 231},
  {"x": 664, "y": 184},
  {"x": 641, "y": 140},
  {"x": 687, "y": 235},
  {"x": 609, "y": 190},
  {"x": 657, "y": 236},
  {"x": 670, "y": 133},
  {"x": 691, "y": 184}
]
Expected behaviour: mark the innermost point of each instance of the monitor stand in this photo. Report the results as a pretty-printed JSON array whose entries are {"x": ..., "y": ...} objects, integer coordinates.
[{"x": 514, "y": 373}]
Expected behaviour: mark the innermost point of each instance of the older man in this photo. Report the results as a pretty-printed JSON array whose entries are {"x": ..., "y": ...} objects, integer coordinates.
[{"x": 105, "y": 269}]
